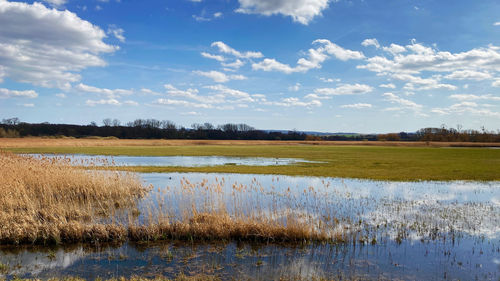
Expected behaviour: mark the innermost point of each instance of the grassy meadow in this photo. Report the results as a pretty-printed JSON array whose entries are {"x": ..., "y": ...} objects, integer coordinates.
[{"x": 396, "y": 161}]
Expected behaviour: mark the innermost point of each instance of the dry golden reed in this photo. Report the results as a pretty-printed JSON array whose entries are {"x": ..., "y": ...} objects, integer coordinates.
[{"x": 49, "y": 201}]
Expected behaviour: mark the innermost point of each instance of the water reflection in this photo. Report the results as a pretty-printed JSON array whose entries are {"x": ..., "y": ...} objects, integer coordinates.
[
  {"x": 415, "y": 210},
  {"x": 408, "y": 261},
  {"x": 179, "y": 161}
]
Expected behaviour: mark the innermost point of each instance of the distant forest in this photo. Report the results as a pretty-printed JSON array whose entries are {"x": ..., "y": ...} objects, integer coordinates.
[{"x": 156, "y": 129}]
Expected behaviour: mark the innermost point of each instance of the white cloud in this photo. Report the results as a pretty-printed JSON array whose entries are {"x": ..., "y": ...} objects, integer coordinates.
[
  {"x": 103, "y": 102},
  {"x": 47, "y": 47},
  {"x": 116, "y": 32},
  {"x": 240, "y": 96},
  {"x": 469, "y": 75},
  {"x": 234, "y": 65},
  {"x": 214, "y": 57},
  {"x": 28, "y": 104},
  {"x": 55, "y": 3},
  {"x": 174, "y": 102},
  {"x": 469, "y": 97},
  {"x": 110, "y": 93},
  {"x": 415, "y": 83},
  {"x": 357, "y": 105},
  {"x": 371, "y": 42},
  {"x": 496, "y": 83},
  {"x": 389, "y": 86},
  {"x": 295, "y": 87},
  {"x": 228, "y": 50},
  {"x": 394, "y": 49},
  {"x": 329, "y": 80},
  {"x": 497, "y": 23},
  {"x": 466, "y": 107},
  {"x": 6, "y": 93},
  {"x": 420, "y": 58},
  {"x": 404, "y": 103},
  {"x": 302, "y": 11},
  {"x": 61, "y": 95},
  {"x": 219, "y": 77},
  {"x": 315, "y": 58},
  {"x": 346, "y": 89},
  {"x": 292, "y": 102},
  {"x": 217, "y": 15}
]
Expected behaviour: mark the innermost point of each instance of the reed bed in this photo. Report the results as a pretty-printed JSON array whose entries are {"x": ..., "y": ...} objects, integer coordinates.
[{"x": 50, "y": 201}]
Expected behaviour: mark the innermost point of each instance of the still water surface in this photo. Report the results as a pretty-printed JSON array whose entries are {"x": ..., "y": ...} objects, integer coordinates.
[{"x": 449, "y": 230}]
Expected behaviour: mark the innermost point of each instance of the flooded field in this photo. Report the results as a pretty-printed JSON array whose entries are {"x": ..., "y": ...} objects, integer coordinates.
[
  {"x": 350, "y": 229},
  {"x": 179, "y": 161}
]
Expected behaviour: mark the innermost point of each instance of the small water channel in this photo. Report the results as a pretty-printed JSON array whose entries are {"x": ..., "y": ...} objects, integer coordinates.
[{"x": 179, "y": 161}]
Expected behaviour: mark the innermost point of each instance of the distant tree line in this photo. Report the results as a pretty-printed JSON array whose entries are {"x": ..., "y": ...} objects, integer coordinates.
[
  {"x": 444, "y": 134},
  {"x": 156, "y": 129},
  {"x": 143, "y": 129}
]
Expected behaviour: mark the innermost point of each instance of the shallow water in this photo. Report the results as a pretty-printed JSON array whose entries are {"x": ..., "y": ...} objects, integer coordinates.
[
  {"x": 407, "y": 261},
  {"x": 180, "y": 161},
  {"x": 422, "y": 231}
]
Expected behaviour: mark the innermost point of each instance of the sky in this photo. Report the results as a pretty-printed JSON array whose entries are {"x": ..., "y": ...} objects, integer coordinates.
[{"x": 366, "y": 66}]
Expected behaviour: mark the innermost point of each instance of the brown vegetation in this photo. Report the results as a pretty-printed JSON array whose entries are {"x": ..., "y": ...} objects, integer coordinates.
[
  {"x": 98, "y": 142},
  {"x": 50, "y": 201}
]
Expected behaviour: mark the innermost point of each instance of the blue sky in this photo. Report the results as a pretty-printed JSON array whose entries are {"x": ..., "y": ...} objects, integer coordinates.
[{"x": 358, "y": 66}]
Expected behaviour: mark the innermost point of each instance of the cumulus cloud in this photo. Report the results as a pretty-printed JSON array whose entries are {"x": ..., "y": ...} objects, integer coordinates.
[
  {"x": 176, "y": 102},
  {"x": 55, "y": 3},
  {"x": 468, "y": 75},
  {"x": 389, "y": 86},
  {"x": 400, "y": 102},
  {"x": 110, "y": 93},
  {"x": 371, "y": 42},
  {"x": 315, "y": 58},
  {"x": 469, "y": 97},
  {"x": 346, "y": 89},
  {"x": 294, "y": 102},
  {"x": 217, "y": 95},
  {"x": 295, "y": 87},
  {"x": 228, "y": 50},
  {"x": 103, "y": 102},
  {"x": 219, "y": 77},
  {"x": 6, "y": 93},
  {"x": 466, "y": 107},
  {"x": 47, "y": 47},
  {"x": 234, "y": 65},
  {"x": 419, "y": 58},
  {"x": 116, "y": 32},
  {"x": 214, "y": 57},
  {"x": 357, "y": 105},
  {"x": 302, "y": 11},
  {"x": 394, "y": 49},
  {"x": 415, "y": 83},
  {"x": 329, "y": 80}
]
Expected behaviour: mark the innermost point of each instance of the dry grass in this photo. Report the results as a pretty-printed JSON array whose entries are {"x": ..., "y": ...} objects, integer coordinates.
[
  {"x": 50, "y": 201},
  {"x": 96, "y": 142}
]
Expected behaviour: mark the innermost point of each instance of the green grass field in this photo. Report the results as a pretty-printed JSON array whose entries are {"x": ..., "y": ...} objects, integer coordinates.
[{"x": 384, "y": 163}]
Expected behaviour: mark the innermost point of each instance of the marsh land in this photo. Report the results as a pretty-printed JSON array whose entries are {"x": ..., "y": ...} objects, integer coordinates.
[{"x": 191, "y": 210}]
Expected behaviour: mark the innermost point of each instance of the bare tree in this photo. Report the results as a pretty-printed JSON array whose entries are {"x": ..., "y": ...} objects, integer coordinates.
[{"x": 107, "y": 122}]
